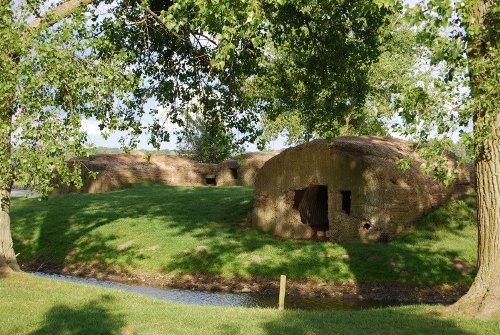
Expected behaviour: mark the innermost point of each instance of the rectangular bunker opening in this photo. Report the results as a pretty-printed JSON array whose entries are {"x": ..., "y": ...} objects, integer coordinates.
[
  {"x": 312, "y": 204},
  {"x": 210, "y": 180},
  {"x": 346, "y": 202},
  {"x": 234, "y": 172}
]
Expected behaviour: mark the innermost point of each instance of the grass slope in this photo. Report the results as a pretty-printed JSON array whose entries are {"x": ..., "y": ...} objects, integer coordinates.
[
  {"x": 33, "y": 305},
  {"x": 172, "y": 230}
]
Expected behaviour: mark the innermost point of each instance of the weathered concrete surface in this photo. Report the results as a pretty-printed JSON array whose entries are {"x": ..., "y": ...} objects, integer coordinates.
[
  {"x": 244, "y": 169},
  {"x": 368, "y": 197},
  {"x": 115, "y": 171}
]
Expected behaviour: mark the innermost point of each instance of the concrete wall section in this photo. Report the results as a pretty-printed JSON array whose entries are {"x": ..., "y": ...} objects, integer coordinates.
[
  {"x": 116, "y": 171},
  {"x": 243, "y": 169},
  {"x": 120, "y": 170}
]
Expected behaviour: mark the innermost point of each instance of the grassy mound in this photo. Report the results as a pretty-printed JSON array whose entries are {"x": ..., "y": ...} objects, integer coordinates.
[
  {"x": 198, "y": 230},
  {"x": 33, "y": 305}
]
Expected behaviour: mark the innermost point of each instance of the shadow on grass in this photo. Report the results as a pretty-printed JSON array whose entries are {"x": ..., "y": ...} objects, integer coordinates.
[
  {"x": 95, "y": 317},
  {"x": 309, "y": 260},
  {"x": 66, "y": 229},
  {"x": 374, "y": 321},
  {"x": 452, "y": 218},
  {"x": 408, "y": 260},
  {"x": 69, "y": 233},
  {"x": 418, "y": 258}
]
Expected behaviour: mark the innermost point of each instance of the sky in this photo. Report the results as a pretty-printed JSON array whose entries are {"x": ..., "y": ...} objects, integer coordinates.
[{"x": 91, "y": 126}]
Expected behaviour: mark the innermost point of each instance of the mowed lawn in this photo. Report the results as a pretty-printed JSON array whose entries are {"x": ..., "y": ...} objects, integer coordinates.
[
  {"x": 179, "y": 230},
  {"x": 32, "y": 305}
]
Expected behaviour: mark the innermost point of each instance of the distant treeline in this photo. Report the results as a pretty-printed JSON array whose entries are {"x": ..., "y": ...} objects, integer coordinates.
[{"x": 107, "y": 150}]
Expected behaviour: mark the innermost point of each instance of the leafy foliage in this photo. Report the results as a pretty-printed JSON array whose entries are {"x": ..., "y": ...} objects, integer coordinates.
[
  {"x": 389, "y": 78},
  {"x": 205, "y": 140},
  {"x": 306, "y": 58},
  {"x": 236, "y": 59},
  {"x": 50, "y": 79},
  {"x": 467, "y": 49}
]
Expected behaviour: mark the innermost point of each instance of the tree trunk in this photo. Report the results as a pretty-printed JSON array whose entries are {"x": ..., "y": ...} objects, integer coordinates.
[
  {"x": 7, "y": 256},
  {"x": 483, "y": 298}
]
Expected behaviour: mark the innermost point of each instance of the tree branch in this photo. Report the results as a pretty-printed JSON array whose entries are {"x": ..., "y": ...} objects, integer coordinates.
[
  {"x": 159, "y": 20},
  {"x": 54, "y": 15},
  {"x": 197, "y": 52}
]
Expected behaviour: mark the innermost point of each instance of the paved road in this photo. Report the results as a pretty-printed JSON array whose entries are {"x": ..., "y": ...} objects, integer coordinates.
[{"x": 16, "y": 193}]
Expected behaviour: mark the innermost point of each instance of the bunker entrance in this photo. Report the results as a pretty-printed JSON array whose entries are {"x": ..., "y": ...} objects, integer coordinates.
[
  {"x": 312, "y": 204},
  {"x": 210, "y": 180},
  {"x": 234, "y": 172}
]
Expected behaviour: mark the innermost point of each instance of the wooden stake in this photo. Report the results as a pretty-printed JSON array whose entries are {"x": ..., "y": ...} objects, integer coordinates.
[{"x": 281, "y": 304}]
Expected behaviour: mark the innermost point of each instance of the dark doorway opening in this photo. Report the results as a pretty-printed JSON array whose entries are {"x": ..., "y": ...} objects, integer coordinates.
[
  {"x": 297, "y": 198},
  {"x": 210, "y": 181},
  {"x": 234, "y": 172},
  {"x": 346, "y": 202},
  {"x": 312, "y": 204}
]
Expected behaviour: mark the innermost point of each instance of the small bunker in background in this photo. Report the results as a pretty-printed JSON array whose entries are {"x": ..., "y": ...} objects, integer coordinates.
[
  {"x": 115, "y": 171},
  {"x": 242, "y": 170},
  {"x": 351, "y": 190}
]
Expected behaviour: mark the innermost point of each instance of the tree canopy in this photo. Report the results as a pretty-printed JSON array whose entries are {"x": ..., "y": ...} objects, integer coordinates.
[
  {"x": 205, "y": 140},
  {"x": 239, "y": 59},
  {"x": 51, "y": 77}
]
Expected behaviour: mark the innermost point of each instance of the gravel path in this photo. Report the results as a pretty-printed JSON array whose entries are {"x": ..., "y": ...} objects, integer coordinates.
[{"x": 16, "y": 193}]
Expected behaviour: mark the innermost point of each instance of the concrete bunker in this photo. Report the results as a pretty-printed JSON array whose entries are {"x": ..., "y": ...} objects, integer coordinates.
[
  {"x": 115, "y": 171},
  {"x": 349, "y": 190},
  {"x": 242, "y": 170}
]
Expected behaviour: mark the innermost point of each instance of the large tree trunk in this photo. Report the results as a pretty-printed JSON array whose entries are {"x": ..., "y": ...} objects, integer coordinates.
[
  {"x": 7, "y": 256},
  {"x": 483, "y": 298}
]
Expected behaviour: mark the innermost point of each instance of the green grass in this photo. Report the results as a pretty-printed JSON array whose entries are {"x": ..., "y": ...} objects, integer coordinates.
[
  {"x": 33, "y": 305},
  {"x": 157, "y": 229}
]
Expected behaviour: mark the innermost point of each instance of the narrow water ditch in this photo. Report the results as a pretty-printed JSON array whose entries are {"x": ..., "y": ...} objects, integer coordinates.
[{"x": 206, "y": 298}]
